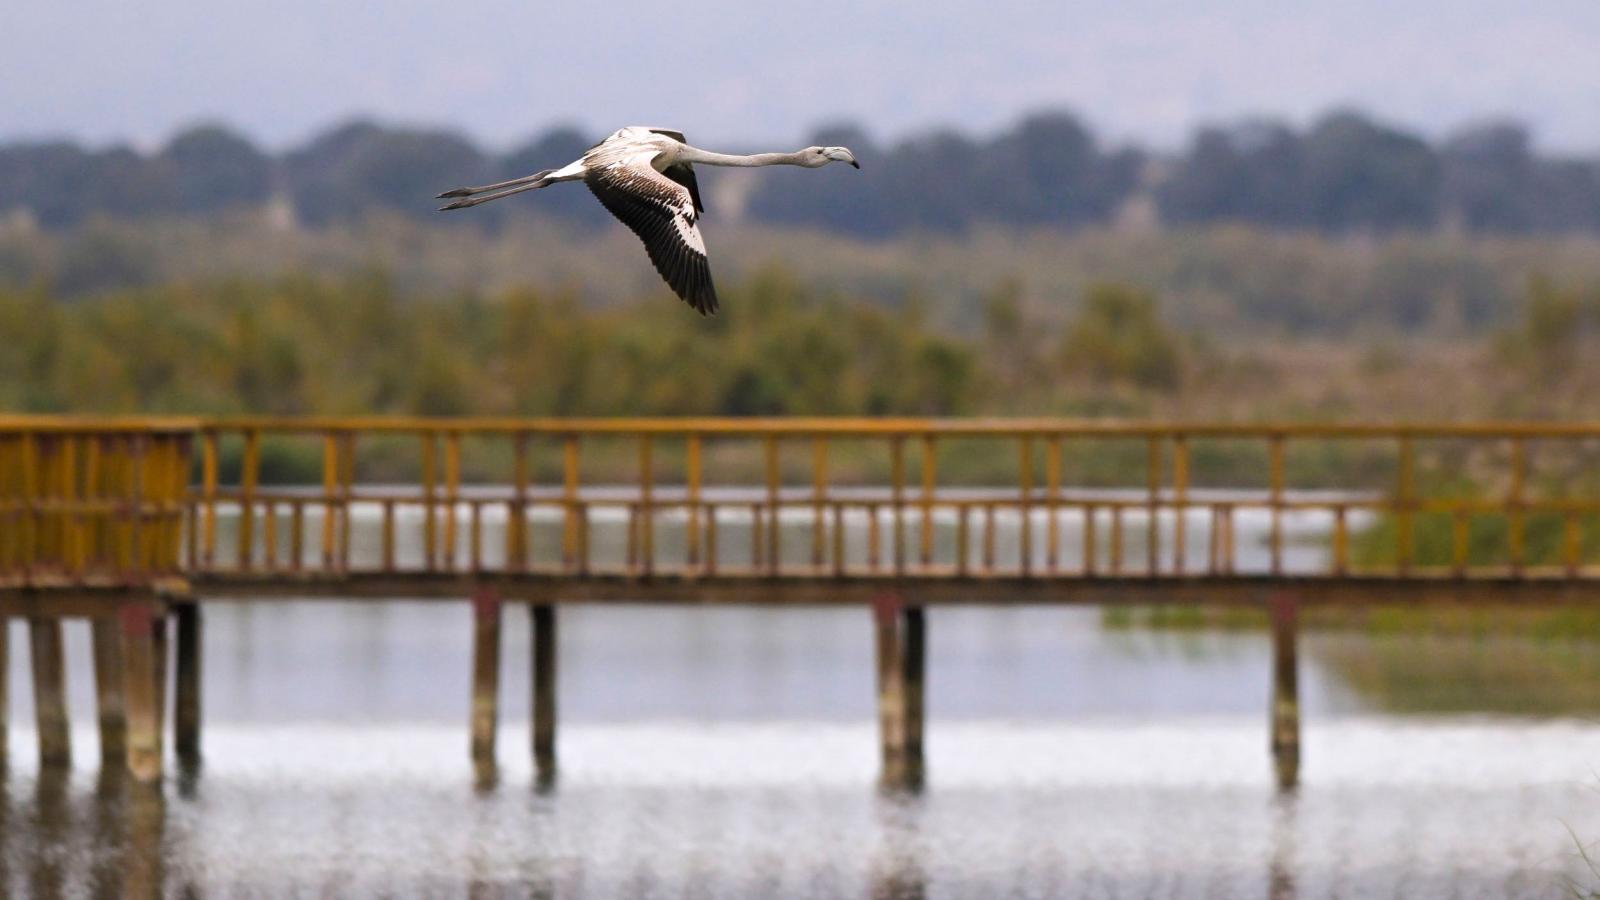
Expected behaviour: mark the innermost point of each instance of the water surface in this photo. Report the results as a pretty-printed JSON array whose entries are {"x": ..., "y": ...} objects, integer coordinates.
[{"x": 731, "y": 753}]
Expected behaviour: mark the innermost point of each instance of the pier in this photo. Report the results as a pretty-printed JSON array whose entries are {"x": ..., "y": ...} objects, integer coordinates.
[{"x": 138, "y": 524}]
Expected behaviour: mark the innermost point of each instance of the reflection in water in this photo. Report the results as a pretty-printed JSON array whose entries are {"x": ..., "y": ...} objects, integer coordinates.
[
  {"x": 897, "y": 869},
  {"x": 1471, "y": 809},
  {"x": 51, "y": 831},
  {"x": 1280, "y": 877}
]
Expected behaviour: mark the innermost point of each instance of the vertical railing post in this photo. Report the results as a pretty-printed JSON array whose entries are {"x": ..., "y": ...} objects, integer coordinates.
[
  {"x": 517, "y": 513},
  {"x": 138, "y": 458},
  {"x": 430, "y": 478},
  {"x": 93, "y": 495},
  {"x": 66, "y": 497},
  {"x": 819, "y": 497},
  {"x": 347, "y": 481},
  {"x": 1153, "y": 504},
  {"x": 208, "y": 493},
  {"x": 692, "y": 480},
  {"x": 647, "y": 510},
  {"x": 1341, "y": 540},
  {"x": 249, "y": 471},
  {"x": 1275, "y": 496},
  {"x": 330, "y": 491},
  {"x": 1116, "y": 539},
  {"x": 387, "y": 537},
  {"x": 897, "y": 478},
  {"x": 930, "y": 466},
  {"x": 452, "y": 495},
  {"x": 569, "y": 503},
  {"x": 1091, "y": 549},
  {"x": 963, "y": 538},
  {"x": 28, "y": 538},
  {"x": 1514, "y": 502},
  {"x": 773, "y": 483},
  {"x": 1025, "y": 502},
  {"x": 1180, "y": 501},
  {"x": 1052, "y": 487},
  {"x": 1404, "y": 503}
]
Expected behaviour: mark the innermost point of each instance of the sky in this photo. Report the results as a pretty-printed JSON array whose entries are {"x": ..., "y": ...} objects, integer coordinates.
[{"x": 744, "y": 73}]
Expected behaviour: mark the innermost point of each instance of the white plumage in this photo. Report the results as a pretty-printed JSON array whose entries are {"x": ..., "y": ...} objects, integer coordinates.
[{"x": 645, "y": 177}]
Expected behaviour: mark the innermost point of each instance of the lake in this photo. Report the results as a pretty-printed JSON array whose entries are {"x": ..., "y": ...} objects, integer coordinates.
[{"x": 731, "y": 752}]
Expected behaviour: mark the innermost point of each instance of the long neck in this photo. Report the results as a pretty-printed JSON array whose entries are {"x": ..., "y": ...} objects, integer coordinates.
[{"x": 706, "y": 157}]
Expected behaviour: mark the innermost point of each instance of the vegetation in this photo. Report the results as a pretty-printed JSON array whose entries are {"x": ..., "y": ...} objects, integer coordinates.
[{"x": 1345, "y": 173}]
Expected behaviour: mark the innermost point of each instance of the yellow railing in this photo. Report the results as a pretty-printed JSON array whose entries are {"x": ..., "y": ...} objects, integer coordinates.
[
  {"x": 130, "y": 500},
  {"x": 85, "y": 502},
  {"x": 884, "y": 497}
]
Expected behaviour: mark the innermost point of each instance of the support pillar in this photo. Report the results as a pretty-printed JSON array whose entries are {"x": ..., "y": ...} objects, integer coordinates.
[
  {"x": 1285, "y": 692},
  {"x": 913, "y": 669},
  {"x": 161, "y": 663},
  {"x": 50, "y": 692},
  {"x": 141, "y": 688},
  {"x": 901, "y": 658},
  {"x": 186, "y": 715},
  {"x": 485, "y": 682},
  {"x": 543, "y": 616},
  {"x": 110, "y": 704}
]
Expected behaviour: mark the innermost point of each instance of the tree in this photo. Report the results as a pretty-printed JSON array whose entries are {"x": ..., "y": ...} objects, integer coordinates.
[
  {"x": 1362, "y": 176},
  {"x": 1119, "y": 337},
  {"x": 362, "y": 167},
  {"x": 217, "y": 169}
]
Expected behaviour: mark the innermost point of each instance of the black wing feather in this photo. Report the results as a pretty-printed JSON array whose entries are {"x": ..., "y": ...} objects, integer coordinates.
[
  {"x": 650, "y": 210},
  {"x": 683, "y": 173}
]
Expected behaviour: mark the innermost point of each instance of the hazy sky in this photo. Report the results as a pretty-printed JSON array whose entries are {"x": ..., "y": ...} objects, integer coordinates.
[{"x": 743, "y": 72}]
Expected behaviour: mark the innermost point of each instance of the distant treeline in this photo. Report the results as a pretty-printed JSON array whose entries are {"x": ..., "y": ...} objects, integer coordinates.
[{"x": 1344, "y": 173}]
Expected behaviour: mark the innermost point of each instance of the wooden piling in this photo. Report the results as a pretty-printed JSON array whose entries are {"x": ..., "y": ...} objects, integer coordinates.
[
  {"x": 902, "y": 654},
  {"x": 543, "y": 617},
  {"x": 140, "y": 690},
  {"x": 110, "y": 704},
  {"x": 50, "y": 692},
  {"x": 891, "y": 690},
  {"x": 913, "y": 668},
  {"x": 160, "y": 651},
  {"x": 485, "y": 681},
  {"x": 186, "y": 713},
  {"x": 1285, "y": 692}
]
